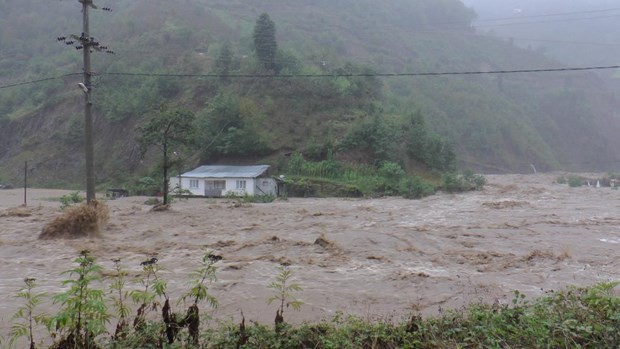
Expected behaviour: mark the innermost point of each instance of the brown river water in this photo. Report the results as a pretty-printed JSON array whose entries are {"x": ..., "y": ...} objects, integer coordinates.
[{"x": 377, "y": 258}]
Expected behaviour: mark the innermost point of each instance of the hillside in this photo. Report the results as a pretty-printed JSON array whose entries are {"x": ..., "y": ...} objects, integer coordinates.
[
  {"x": 497, "y": 123},
  {"x": 572, "y": 31},
  {"x": 575, "y": 32}
]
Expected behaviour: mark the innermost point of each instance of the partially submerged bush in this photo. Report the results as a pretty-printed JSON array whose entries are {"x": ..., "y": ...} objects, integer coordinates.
[
  {"x": 456, "y": 183},
  {"x": 575, "y": 181},
  {"x": 561, "y": 180},
  {"x": 320, "y": 187},
  {"x": 78, "y": 221},
  {"x": 259, "y": 199},
  {"x": 152, "y": 202},
  {"x": 160, "y": 208},
  {"x": 70, "y": 199},
  {"x": 17, "y": 212},
  {"x": 415, "y": 188}
]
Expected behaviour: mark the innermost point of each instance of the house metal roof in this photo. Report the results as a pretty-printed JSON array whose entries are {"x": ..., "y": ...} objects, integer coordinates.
[{"x": 223, "y": 171}]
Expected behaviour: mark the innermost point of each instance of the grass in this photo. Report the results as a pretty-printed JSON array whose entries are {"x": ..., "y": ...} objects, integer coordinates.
[{"x": 577, "y": 317}]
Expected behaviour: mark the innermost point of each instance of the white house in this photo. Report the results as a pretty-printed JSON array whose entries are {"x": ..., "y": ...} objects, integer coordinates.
[{"x": 220, "y": 180}]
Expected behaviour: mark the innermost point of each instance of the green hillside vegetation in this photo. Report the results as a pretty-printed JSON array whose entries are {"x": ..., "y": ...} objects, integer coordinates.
[{"x": 426, "y": 125}]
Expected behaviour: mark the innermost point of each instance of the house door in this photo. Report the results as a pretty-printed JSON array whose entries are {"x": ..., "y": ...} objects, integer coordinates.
[{"x": 214, "y": 188}]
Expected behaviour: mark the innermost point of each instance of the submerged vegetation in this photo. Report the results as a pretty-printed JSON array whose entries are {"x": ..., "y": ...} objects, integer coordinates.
[
  {"x": 84, "y": 220},
  {"x": 575, "y": 317}
]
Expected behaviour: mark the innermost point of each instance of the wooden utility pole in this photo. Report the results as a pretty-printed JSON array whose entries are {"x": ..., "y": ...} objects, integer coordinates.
[
  {"x": 88, "y": 112},
  {"x": 25, "y": 183}
]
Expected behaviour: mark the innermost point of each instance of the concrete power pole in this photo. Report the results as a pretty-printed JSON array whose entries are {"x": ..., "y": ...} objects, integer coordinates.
[
  {"x": 88, "y": 109},
  {"x": 88, "y": 44}
]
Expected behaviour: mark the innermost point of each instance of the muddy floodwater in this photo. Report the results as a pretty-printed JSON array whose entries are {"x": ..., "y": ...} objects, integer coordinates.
[{"x": 377, "y": 258}]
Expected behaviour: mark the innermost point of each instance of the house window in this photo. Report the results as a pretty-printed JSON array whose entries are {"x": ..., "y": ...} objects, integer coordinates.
[
  {"x": 215, "y": 184},
  {"x": 193, "y": 184},
  {"x": 241, "y": 184}
]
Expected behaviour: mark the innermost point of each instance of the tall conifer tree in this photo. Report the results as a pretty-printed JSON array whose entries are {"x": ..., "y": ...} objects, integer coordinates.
[{"x": 265, "y": 44}]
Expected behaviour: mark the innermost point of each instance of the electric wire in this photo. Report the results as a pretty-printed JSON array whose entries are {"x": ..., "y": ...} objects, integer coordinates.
[
  {"x": 335, "y": 75},
  {"x": 284, "y": 76},
  {"x": 547, "y": 15},
  {"x": 545, "y": 22},
  {"x": 39, "y": 80}
]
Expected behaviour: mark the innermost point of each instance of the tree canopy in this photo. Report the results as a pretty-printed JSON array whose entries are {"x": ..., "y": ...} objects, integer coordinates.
[
  {"x": 169, "y": 130},
  {"x": 265, "y": 44}
]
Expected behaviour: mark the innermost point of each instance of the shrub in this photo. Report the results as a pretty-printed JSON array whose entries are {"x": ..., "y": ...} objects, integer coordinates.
[
  {"x": 477, "y": 181},
  {"x": 283, "y": 288},
  {"x": 317, "y": 152},
  {"x": 300, "y": 187},
  {"x": 308, "y": 187},
  {"x": 296, "y": 164},
  {"x": 146, "y": 186},
  {"x": 374, "y": 137},
  {"x": 70, "y": 199},
  {"x": 415, "y": 188},
  {"x": 573, "y": 318},
  {"x": 25, "y": 316},
  {"x": 391, "y": 170},
  {"x": 391, "y": 174},
  {"x": 259, "y": 199},
  {"x": 83, "y": 315},
  {"x": 575, "y": 181},
  {"x": 78, "y": 221},
  {"x": 453, "y": 182}
]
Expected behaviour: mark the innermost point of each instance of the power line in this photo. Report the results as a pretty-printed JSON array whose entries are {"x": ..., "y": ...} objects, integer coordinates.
[
  {"x": 546, "y": 15},
  {"x": 545, "y": 22},
  {"x": 446, "y": 27},
  {"x": 288, "y": 76},
  {"x": 549, "y": 40},
  {"x": 39, "y": 80},
  {"x": 474, "y": 35},
  {"x": 515, "y": 71}
]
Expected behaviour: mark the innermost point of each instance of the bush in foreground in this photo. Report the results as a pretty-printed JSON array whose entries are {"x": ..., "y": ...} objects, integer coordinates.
[{"x": 575, "y": 318}]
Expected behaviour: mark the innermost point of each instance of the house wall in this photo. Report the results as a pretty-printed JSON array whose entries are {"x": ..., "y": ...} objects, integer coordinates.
[
  {"x": 185, "y": 184},
  {"x": 231, "y": 186},
  {"x": 266, "y": 186}
]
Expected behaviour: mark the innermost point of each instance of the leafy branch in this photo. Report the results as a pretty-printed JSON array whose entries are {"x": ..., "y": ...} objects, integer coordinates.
[
  {"x": 26, "y": 314},
  {"x": 283, "y": 293},
  {"x": 119, "y": 297},
  {"x": 83, "y": 315}
]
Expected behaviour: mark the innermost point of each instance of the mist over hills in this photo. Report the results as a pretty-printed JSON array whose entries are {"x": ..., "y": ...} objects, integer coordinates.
[
  {"x": 572, "y": 31},
  {"x": 496, "y": 122}
]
